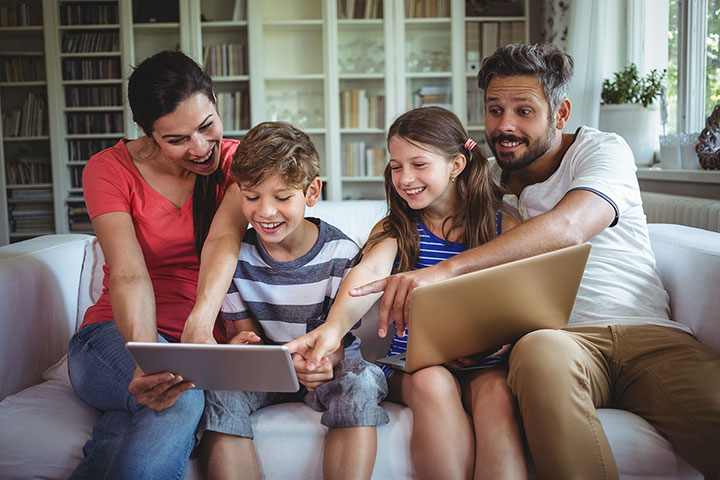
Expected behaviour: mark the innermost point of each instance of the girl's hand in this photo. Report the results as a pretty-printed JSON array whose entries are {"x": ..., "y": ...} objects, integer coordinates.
[
  {"x": 474, "y": 360},
  {"x": 159, "y": 390},
  {"x": 317, "y": 345},
  {"x": 312, "y": 379},
  {"x": 246, "y": 338}
]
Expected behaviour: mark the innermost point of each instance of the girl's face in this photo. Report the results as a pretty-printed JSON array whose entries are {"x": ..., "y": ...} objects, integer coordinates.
[
  {"x": 189, "y": 137},
  {"x": 422, "y": 177}
]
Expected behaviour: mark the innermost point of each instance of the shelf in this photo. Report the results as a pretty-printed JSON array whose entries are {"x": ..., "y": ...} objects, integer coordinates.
[
  {"x": 353, "y": 131},
  {"x": 79, "y": 136},
  {"x": 222, "y": 25},
  {"x": 99, "y": 81},
  {"x": 21, "y": 53},
  {"x": 113, "y": 53},
  {"x": 102, "y": 26},
  {"x": 26, "y": 139},
  {"x": 679, "y": 175},
  {"x": 29, "y": 185},
  {"x": 363, "y": 179},
  {"x": 495, "y": 19},
  {"x": 428, "y": 21},
  {"x": 233, "y": 78},
  {"x": 293, "y": 24},
  {"x": 33, "y": 83},
  {"x": 151, "y": 27},
  {"x": 25, "y": 28}
]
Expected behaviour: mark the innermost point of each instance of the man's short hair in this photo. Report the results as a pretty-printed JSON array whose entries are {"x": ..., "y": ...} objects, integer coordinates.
[
  {"x": 271, "y": 148},
  {"x": 552, "y": 67}
]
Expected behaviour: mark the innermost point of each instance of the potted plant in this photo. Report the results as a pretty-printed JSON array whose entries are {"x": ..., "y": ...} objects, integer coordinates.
[{"x": 628, "y": 108}]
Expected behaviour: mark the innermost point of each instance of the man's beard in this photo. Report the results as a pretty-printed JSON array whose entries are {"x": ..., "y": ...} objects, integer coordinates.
[{"x": 508, "y": 161}]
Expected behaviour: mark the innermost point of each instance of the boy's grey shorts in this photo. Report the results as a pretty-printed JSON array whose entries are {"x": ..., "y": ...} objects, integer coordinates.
[{"x": 351, "y": 399}]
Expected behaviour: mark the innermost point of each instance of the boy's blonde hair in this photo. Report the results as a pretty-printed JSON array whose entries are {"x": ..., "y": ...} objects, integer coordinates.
[{"x": 271, "y": 148}]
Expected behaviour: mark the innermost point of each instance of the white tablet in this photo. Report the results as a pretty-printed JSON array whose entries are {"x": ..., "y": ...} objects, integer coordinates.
[{"x": 255, "y": 368}]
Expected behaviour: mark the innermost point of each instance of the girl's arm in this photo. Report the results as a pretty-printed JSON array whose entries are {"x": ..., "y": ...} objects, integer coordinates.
[
  {"x": 247, "y": 331},
  {"x": 346, "y": 310},
  {"x": 217, "y": 264},
  {"x": 133, "y": 304}
]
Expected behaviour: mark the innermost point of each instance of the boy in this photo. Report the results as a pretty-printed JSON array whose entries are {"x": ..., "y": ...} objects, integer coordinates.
[{"x": 286, "y": 279}]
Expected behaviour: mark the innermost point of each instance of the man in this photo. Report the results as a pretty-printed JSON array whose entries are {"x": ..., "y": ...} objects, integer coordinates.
[{"x": 620, "y": 348}]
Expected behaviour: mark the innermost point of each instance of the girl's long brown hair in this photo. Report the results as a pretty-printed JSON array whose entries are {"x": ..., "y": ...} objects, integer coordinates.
[{"x": 478, "y": 196}]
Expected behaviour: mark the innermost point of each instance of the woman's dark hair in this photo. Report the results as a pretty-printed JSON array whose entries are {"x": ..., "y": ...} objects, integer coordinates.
[
  {"x": 156, "y": 87},
  {"x": 552, "y": 67},
  {"x": 439, "y": 131}
]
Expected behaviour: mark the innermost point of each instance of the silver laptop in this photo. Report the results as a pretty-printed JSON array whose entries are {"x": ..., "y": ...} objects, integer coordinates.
[
  {"x": 255, "y": 368},
  {"x": 481, "y": 311}
]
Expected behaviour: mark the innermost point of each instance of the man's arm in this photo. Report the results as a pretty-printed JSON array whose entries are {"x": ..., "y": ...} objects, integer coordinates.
[{"x": 578, "y": 217}]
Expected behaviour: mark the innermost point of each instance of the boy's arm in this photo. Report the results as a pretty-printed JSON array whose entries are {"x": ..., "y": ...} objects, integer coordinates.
[
  {"x": 377, "y": 263},
  {"x": 247, "y": 331},
  {"x": 217, "y": 264}
]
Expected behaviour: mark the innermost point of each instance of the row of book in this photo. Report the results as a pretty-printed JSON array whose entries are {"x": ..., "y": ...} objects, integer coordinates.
[
  {"x": 91, "y": 69},
  {"x": 427, "y": 96},
  {"x": 78, "y": 218},
  {"x": 483, "y": 38},
  {"x": 225, "y": 59},
  {"x": 28, "y": 171},
  {"x": 111, "y": 122},
  {"x": 23, "y": 15},
  {"x": 90, "y": 42},
  {"x": 88, "y": 14},
  {"x": 76, "y": 176},
  {"x": 22, "y": 68},
  {"x": 427, "y": 8},
  {"x": 360, "y": 8},
  {"x": 359, "y": 160},
  {"x": 234, "y": 109},
  {"x": 81, "y": 150},
  {"x": 475, "y": 107},
  {"x": 31, "y": 217},
  {"x": 29, "y": 121},
  {"x": 93, "y": 96},
  {"x": 360, "y": 110}
]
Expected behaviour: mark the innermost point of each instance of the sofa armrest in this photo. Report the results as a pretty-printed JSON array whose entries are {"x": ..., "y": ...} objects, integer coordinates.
[
  {"x": 689, "y": 262},
  {"x": 38, "y": 305}
]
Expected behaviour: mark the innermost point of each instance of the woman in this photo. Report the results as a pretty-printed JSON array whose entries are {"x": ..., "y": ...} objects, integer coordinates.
[{"x": 151, "y": 201}]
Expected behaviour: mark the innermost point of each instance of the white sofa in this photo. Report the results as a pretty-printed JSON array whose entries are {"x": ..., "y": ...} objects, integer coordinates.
[{"x": 49, "y": 281}]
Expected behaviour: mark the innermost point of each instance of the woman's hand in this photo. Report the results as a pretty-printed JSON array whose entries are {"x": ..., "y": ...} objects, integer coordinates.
[{"x": 159, "y": 390}]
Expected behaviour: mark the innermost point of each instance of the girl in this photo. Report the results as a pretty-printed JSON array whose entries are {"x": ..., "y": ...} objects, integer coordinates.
[{"x": 441, "y": 202}]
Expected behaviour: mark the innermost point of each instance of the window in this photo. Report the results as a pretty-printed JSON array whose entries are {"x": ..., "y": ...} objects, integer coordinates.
[{"x": 693, "y": 63}]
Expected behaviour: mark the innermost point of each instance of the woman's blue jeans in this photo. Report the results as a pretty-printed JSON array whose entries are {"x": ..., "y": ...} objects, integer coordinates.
[{"x": 130, "y": 441}]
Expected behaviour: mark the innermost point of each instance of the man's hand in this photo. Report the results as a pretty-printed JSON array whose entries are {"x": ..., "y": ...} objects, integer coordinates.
[
  {"x": 246, "y": 338},
  {"x": 395, "y": 303},
  {"x": 316, "y": 346},
  {"x": 312, "y": 378},
  {"x": 159, "y": 390}
]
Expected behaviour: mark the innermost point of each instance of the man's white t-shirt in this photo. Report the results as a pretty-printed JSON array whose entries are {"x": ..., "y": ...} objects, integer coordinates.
[{"x": 621, "y": 284}]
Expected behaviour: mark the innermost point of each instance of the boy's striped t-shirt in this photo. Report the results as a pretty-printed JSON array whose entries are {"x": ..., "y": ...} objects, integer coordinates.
[{"x": 289, "y": 299}]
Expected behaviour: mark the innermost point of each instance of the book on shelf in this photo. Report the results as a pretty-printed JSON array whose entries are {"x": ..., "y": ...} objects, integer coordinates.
[
  {"x": 427, "y": 8},
  {"x": 359, "y": 160},
  {"x": 438, "y": 96},
  {"x": 29, "y": 121},
  {"x": 234, "y": 109},
  {"x": 88, "y": 13},
  {"x": 22, "y": 68},
  {"x": 357, "y": 9},
  {"x": 489, "y": 38},
  {"x": 20, "y": 15},
  {"x": 511, "y": 32},
  {"x": 28, "y": 169},
  {"x": 225, "y": 59},
  {"x": 360, "y": 110},
  {"x": 475, "y": 106},
  {"x": 239, "y": 10},
  {"x": 31, "y": 194}
]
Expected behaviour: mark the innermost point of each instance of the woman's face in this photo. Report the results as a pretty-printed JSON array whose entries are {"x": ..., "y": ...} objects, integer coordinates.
[{"x": 190, "y": 136}]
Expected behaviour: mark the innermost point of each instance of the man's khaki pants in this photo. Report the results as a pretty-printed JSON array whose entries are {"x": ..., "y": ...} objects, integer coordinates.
[{"x": 662, "y": 374}]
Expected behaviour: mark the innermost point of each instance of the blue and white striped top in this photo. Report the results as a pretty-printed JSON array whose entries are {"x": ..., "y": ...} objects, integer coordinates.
[{"x": 432, "y": 250}]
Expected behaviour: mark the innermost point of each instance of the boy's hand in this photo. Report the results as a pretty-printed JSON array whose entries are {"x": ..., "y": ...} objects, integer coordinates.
[
  {"x": 312, "y": 379},
  {"x": 316, "y": 346},
  {"x": 246, "y": 338},
  {"x": 159, "y": 390}
]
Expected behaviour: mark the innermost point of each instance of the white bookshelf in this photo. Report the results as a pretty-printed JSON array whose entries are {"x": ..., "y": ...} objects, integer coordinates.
[{"x": 299, "y": 58}]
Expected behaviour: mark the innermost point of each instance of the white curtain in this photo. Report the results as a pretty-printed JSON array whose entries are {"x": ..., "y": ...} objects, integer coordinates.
[{"x": 588, "y": 45}]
